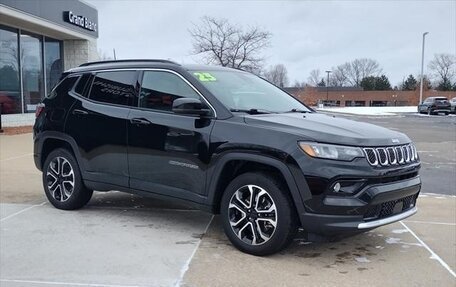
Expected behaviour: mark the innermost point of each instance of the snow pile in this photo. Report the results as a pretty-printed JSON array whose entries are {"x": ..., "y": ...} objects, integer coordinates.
[{"x": 374, "y": 111}]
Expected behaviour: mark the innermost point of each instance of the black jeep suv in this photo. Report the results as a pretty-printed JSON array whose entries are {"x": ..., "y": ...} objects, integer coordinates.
[{"x": 226, "y": 141}]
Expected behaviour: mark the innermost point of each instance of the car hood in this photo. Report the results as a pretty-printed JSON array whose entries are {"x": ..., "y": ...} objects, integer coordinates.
[{"x": 328, "y": 129}]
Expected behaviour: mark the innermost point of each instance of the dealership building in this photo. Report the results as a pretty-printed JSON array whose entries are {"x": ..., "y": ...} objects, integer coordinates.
[{"x": 39, "y": 40}]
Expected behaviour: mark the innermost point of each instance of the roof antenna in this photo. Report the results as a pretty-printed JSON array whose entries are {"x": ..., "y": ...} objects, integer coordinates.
[{"x": 114, "y": 50}]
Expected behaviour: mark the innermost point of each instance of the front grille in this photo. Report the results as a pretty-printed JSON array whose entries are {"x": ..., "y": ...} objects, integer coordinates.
[
  {"x": 388, "y": 156},
  {"x": 388, "y": 208}
]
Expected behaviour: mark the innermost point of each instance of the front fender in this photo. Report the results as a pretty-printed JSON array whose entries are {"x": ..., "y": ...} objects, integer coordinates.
[{"x": 296, "y": 182}]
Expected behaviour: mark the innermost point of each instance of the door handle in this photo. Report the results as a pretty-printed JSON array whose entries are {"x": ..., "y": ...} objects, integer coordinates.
[
  {"x": 79, "y": 112},
  {"x": 138, "y": 121}
]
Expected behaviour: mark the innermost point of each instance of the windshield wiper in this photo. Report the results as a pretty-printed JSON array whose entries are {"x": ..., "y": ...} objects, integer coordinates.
[
  {"x": 252, "y": 111},
  {"x": 298, "y": 111}
]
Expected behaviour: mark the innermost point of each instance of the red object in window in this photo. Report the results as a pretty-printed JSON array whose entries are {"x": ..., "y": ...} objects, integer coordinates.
[{"x": 39, "y": 109}]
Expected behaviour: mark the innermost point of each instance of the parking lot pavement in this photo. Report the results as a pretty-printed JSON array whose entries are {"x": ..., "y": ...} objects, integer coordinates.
[
  {"x": 125, "y": 240},
  {"x": 107, "y": 245},
  {"x": 387, "y": 256},
  {"x": 118, "y": 239}
]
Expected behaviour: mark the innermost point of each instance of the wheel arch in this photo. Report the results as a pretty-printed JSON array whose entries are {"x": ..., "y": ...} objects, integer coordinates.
[
  {"x": 235, "y": 163},
  {"x": 48, "y": 141}
]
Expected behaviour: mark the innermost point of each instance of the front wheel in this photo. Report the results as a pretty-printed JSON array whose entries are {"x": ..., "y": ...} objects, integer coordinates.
[
  {"x": 62, "y": 181},
  {"x": 257, "y": 213}
]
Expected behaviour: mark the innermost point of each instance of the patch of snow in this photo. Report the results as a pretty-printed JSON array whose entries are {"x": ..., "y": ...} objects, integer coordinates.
[
  {"x": 362, "y": 260},
  {"x": 372, "y": 111},
  {"x": 399, "y": 231},
  {"x": 393, "y": 240},
  {"x": 380, "y": 247}
]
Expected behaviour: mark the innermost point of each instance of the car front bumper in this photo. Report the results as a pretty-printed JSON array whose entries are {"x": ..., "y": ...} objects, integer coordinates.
[{"x": 374, "y": 206}]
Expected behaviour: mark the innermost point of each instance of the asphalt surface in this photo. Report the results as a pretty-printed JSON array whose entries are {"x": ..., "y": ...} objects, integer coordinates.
[{"x": 124, "y": 240}]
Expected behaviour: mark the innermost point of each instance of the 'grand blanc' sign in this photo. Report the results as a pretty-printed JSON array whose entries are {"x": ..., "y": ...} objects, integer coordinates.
[{"x": 81, "y": 21}]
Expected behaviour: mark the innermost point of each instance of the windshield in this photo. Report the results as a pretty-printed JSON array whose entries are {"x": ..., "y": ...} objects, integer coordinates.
[{"x": 242, "y": 91}]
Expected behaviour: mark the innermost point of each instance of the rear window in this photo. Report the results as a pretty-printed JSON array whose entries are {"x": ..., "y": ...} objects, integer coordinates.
[
  {"x": 441, "y": 99},
  {"x": 82, "y": 84},
  {"x": 117, "y": 87},
  {"x": 63, "y": 87}
]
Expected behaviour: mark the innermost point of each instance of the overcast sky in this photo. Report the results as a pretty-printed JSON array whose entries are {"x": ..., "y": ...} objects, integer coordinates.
[{"x": 306, "y": 35}]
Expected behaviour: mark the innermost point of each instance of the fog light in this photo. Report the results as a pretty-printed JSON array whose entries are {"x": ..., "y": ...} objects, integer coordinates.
[{"x": 348, "y": 186}]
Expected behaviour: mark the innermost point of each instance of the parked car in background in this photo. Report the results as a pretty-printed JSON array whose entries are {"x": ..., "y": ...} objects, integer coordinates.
[
  {"x": 435, "y": 105},
  {"x": 453, "y": 105}
]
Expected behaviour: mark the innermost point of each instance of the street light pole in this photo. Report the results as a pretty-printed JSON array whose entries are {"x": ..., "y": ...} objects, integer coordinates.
[
  {"x": 422, "y": 66},
  {"x": 327, "y": 86}
]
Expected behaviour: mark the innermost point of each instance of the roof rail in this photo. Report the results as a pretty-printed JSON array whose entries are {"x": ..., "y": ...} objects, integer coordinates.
[{"x": 128, "y": 61}]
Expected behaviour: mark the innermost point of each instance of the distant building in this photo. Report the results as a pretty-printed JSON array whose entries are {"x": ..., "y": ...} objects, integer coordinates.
[
  {"x": 351, "y": 96},
  {"x": 39, "y": 40}
]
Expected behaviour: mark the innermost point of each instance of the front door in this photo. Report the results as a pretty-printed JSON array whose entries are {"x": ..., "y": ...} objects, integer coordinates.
[{"x": 167, "y": 153}]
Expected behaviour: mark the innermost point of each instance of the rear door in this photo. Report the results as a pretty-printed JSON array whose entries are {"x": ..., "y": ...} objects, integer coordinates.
[
  {"x": 99, "y": 125},
  {"x": 168, "y": 153}
]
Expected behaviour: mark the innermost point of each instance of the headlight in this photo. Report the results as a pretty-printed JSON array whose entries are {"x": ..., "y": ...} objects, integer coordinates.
[{"x": 328, "y": 151}]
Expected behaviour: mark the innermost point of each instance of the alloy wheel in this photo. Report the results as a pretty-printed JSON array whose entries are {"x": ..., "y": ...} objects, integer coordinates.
[
  {"x": 252, "y": 214},
  {"x": 60, "y": 179}
]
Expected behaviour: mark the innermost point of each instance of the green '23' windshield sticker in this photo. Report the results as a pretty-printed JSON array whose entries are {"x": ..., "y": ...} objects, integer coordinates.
[{"x": 205, "y": 77}]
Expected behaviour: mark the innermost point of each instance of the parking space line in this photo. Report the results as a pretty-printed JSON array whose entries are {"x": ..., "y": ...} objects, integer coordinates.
[
  {"x": 431, "y": 222},
  {"x": 16, "y": 157},
  {"x": 187, "y": 264},
  {"x": 433, "y": 254},
  {"x": 21, "y": 211},
  {"x": 66, "y": 283}
]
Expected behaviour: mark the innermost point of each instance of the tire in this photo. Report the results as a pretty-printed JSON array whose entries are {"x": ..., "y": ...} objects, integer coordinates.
[
  {"x": 272, "y": 200},
  {"x": 61, "y": 172}
]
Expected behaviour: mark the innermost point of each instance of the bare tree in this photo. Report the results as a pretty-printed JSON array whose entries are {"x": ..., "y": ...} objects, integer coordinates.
[
  {"x": 228, "y": 45},
  {"x": 277, "y": 75},
  {"x": 298, "y": 84},
  {"x": 443, "y": 68},
  {"x": 315, "y": 77},
  {"x": 339, "y": 77},
  {"x": 359, "y": 69}
]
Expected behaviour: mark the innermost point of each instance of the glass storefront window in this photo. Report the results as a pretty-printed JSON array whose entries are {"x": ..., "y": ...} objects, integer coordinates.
[
  {"x": 32, "y": 70},
  {"x": 53, "y": 60},
  {"x": 29, "y": 67},
  {"x": 10, "y": 92}
]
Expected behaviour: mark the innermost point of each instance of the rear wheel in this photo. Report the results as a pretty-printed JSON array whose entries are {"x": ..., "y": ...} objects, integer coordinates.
[
  {"x": 257, "y": 213},
  {"x": 62, "y": 181}
]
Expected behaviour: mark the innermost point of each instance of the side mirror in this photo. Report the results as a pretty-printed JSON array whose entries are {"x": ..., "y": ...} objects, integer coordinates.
[{"x": 190, "y": 106}]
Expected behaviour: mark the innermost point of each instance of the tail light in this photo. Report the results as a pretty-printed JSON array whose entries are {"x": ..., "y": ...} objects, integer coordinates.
[{"x": 39, "y": 109}]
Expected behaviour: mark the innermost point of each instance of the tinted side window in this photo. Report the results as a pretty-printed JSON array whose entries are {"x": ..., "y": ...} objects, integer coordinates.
[
  {"x": 159, "y": 89},
  {"x": 117, "y": 87},
  {"x": 82, "y": 83},
  {"x": 63, "y": 87}
]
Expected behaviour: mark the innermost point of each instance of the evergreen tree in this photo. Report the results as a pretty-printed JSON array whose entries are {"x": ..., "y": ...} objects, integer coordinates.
[
  {"x": 382, "y": 83},
  {"x": 410, "y": 84},
  {"x": 373, "y": 83},
  {"x": 444, "y": 85}
]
